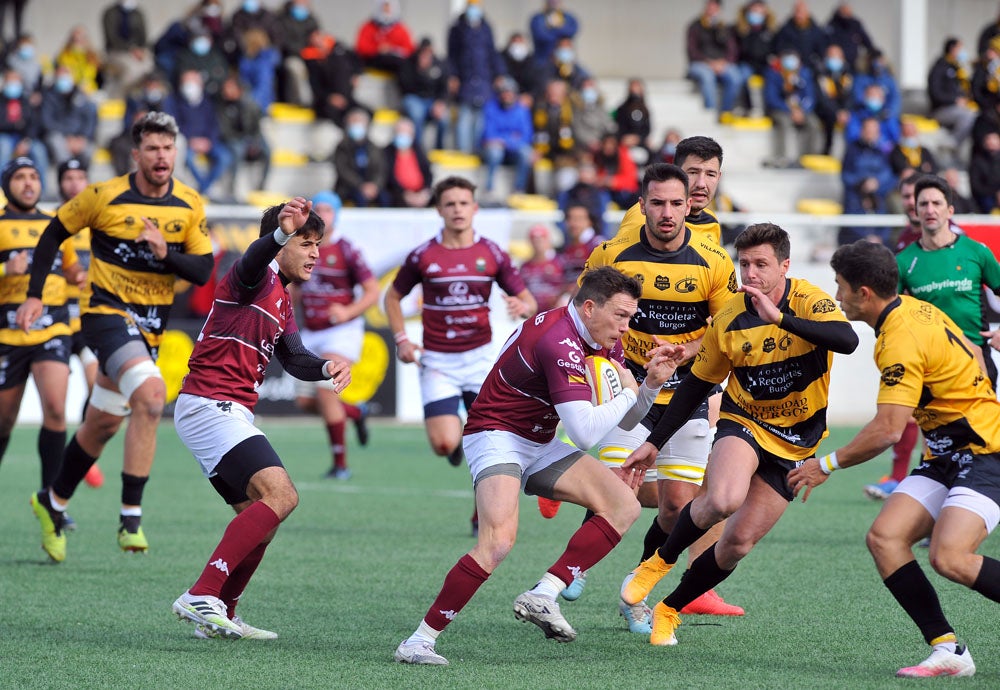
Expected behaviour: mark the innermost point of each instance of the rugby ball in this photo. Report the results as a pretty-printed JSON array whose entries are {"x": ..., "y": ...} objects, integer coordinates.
[{"x": 603, "y": 379}]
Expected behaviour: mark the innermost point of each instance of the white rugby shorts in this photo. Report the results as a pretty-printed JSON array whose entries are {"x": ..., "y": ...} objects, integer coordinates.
[
  {"x": 211, "y": 428},
  {"x": 485, "y": 449},
  {"x": 446, "y": 375}
]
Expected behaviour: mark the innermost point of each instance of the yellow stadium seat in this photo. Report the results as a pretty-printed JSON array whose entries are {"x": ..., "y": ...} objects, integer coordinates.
[
  {"x": 286, "y": 112},
  {"x": 111, "y": 109},
  {"x": 531, "y": 202},
  {"x": 289, "y": 159},
  {"x": 386, "y": 116},
  {"x": 755, "y": 81},
  {"x": 519, "y": 250},
  {"x": 453, "y": 159},
  {"x": 543, "y": 165},
  {"x": 819, "y": 207},
  {"x": 821, "y": 164},
  {"x": 101, "y": 157},
  {"x": 751, "y": 124},
  {"x": 925, "y": 125}
]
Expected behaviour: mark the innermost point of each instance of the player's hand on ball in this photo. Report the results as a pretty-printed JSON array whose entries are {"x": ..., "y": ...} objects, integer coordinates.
[
  {"x": 808, "y": 475},
  {"x": 627, "y": 379}
]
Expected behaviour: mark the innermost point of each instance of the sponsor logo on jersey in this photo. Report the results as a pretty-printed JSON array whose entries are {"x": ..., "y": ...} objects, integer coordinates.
[
  {"x": 768, "y": 345},
  {"x": 893, "y": 374},
  {"x": 662, "y": 283},
  {"x": 824, "y": 306},
  {"x": 747, "y": 347},
  {"x": 686, "y": 285},
  {"x": 480, "y": 265},
  {"x": 785, "y": 343},
  {"x": 732, "y": 286}
]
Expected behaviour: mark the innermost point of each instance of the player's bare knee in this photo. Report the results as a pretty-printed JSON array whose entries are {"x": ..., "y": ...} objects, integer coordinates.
[
  {"x": 493, "y": 547},
  {"x": 953, "y": 564}
]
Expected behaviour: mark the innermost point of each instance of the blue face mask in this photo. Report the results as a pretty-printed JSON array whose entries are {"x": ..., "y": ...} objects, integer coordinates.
[
  {"x": 13, "y": 89},
  {"x": 474, "y": 13},
  {"x": 300, "y": 13},
  {"x": 356, "y": 132},
  {"x": 909, "y": 142},
  {"x": 201, "y": 45},
  {"x": 589, "y": 95},
  {"x": 670, "y": 149},
  {"x": 834, "y": 64},
  {"x": 874, "y": 104},
  {"x": 251, "y": 6},
  {"x": 64, "y": 84},
  {"x": 26, "y": 52},
  {"x": 755, "y": 18},
  {"x": 790, "y": 63},
  {"x": 963, "y": 56},
  {"x": 564, "y": 55},
  {"x": 403, "y": 141}
]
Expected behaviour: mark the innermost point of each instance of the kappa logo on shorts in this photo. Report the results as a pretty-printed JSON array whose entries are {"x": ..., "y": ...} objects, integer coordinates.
[
  {"x": 893, "y": 374},
  {"x": 824, "y": 306},
  {"x": 226, "y": 406}
]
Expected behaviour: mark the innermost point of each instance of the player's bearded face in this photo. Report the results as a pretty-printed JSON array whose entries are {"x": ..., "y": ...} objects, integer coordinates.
[
  {"x": 665, "y": 205},
  {"x": 609, "y": 322},
  {"x": 155, "y": 158}
]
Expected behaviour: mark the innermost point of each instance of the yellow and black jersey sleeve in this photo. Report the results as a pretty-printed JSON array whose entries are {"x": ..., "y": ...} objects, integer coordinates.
[
  {"x": 925, "y": 363},
  {"x": 779, "y": 382},
  {"x": 20, "y": 232},
  {"x": 703, "y": 223},
  {"x": 125, "y": 277}
]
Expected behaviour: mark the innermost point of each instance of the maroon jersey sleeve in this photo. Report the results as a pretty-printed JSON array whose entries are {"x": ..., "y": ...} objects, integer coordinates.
[
  {"x": 508, "y": 277},
  {"x": 356, "y": 261},
  {"x": 409, "y": 274}
]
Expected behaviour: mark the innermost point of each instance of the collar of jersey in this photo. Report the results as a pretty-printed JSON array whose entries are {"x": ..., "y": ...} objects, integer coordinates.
[{"x": 580, "y": 328}]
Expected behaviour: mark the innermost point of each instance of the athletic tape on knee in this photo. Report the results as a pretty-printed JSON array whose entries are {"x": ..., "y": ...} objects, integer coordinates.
[
  {"x": 130, "y": 381},
  {"x": 613, "y": 455},
  {"x": 109, "y": 401}
]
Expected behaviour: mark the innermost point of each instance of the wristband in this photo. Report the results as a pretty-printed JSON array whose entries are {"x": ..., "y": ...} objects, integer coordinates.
[
  {"x": 828, "y": 463},
  {"x": 401, "y": 338},
  {"x": 280, "y": 237}
]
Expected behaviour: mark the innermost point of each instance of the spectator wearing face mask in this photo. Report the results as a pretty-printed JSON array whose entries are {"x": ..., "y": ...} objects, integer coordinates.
[
  {"x": 69, "y": 119},
  {"x": 79, "y": 55},
  {"x": 908, "y": 155},
  {"x": 949, "y": 90},
  {"x": 755, "y": 31},
  {"x": 986, "y": 77},
  {"x": 521, "y": 65},
  {"x": 592, "y": 120},
  {"x": 550, "y": 26},
  {"x": 359, "y": 164},
  {"x": 198, "y": 121},
  {"x": 847, "y": 31},
  {"x": 408, "y": 171},
  {"x": 384, "y": 41},
  {"x": 802, "y": 34},
  {"x": 873, "y": 68},
  {"x": 203, "y": 55},
  {"x": 333, "y": 70},
  {"x": 296, "y": 23},
  {"x": 873, "y": 104},
  {"x": 632, "y": 117},
  {"x": 20, "y": 123},
  {"x": 790, "y": 100},
  {"x": 834, "y": 93},
  {"x": 127, "y": 55},
  {"x": 23, "y": 59},
  {"x": 152, "y": 94},
  {"x": 563, "y": 65}
]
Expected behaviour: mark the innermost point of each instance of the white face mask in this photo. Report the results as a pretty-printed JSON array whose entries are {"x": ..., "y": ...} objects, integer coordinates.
[
  {"x": 518, "y": 51},
  {"x": 191, "y": 92}
]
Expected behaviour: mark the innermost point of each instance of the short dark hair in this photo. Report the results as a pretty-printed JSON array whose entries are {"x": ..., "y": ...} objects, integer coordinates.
[
  {"x": 950, "y": 43},
  {"x": 594, "y": 220},
  {"x": 661, "y": 172},
  {"x": 601, "y": 284},
  {"x": 452, "y": 182},
  {"x": 871, "y": 264},
  {"x": 706, "y": 148},
  {"x": 765, "y": 233},
  {"x": 153, "y": 122},
  {"x": 314, "y": 225},
  {"x": 910, "y": 179},
  {"x": 934, "y": 182}
]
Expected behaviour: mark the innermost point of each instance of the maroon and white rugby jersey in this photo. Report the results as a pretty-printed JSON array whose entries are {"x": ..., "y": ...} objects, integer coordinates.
[
  {"x": 457, "y": 285},
  {"x": 238, "y": 339},
  {"x": 540, "y": 366},
  {"x": 338, "y": 270},
  {"x": 544, "y": 279}
]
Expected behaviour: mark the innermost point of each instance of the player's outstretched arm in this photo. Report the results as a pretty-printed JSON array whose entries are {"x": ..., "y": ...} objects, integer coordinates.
[{"x": 406, "y": 351}]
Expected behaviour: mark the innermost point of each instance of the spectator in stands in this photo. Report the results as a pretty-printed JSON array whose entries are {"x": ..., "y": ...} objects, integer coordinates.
[
  {"x": 592, "y": 120},
  {"x": 802, "y": 34},
  {"x": 908, "y": 155},
  {"x": 202, "y": 55},
  {"x": 172, "y": 41},
  {"x": 473, "y": 66},
  {"x": 986, "y": 77},
  {"x": 251, "y": 15},
  {"x": 17, "y": 15},
  {"x": 988, "y": 121},
  {"x": 333, "y": 70},
  {"x": 23, "y": 58},
  {"x": 949, "y": 90},
  {"x": 127, "y": 57},
  {"x": 790, "y": 100},
  {"x": 543, "y": 272},
  {"x": 632, "y": 116},
  {"x": 296, "y": 24},
  {"x": 617, "y": 171},
  {"x": 78, "y": 54},
  {"x": 874, "y": 69},
  {"x": 210, "y": 19},
  {"x": 384, "y": 41},
  {"x": 960, "y": 202},
  {"x": 712, "y": 53},
  {"x": 198, "y": 121},
  {"x": 258, "y": 65},
  {"x": 755, "y": 31},
  {"x": 69, "y": 119},
  {"x": 868, "y": 180},
  {"x": 668, "y": 149},
  {"x": 587, "y": 191},
  {"x": 20, "y": 124},
  {"x": 152, "y": 94},
  {"x": 873, "y": 104},
  {"x": 423, "y": 81},
  {"x": 240, "y": 131},
  {"x": 847, "y": 31},
  {"x": 508, "y": 135},
  {"x": 562, "y": 64},
  {"x": 359, "y": 164},
  {"x": 834, "y": 94},
  {"x": 989, "y": 32},
  {"x": 520, "y": 62},
  {"x": 984, "y": 173},
  {"x": 549, "y": 27},
  {"x": 554, "y": 139},
  {"x": 408, "y": 171},
  {"x": 581, "y": 240}
]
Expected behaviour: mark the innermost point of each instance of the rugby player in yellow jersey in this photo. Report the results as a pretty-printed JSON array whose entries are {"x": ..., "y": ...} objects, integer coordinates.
[
  {"x": 775, "y": 343},
  {"x": 43, "y": 351},
  {"x": 146, "y": 230},
  {"x": 685, "y": 278},
  {"x": 931, "y": 372},
  {"x": 701, "y": 159}
]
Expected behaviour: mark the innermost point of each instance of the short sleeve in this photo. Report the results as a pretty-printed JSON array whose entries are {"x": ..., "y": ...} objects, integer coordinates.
[
  {"x": 900, "y": 364},
  {"x": 562, "y": 367}
]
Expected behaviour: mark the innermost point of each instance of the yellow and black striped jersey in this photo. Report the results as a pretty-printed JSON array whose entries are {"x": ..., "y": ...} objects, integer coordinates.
[
  {"x": 125, "y": 278},
  {"x": 703, "y": 223},
  {"x": 778, "y": 382},
  {"x": 20, "y": 232},
  {"x": 926, "y": 364},
  {"x": 81, "y": 243},
  {"x": 680, "y": 291}
]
